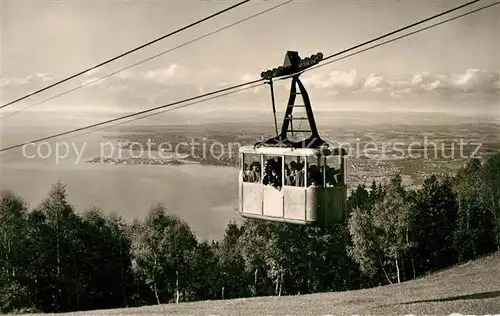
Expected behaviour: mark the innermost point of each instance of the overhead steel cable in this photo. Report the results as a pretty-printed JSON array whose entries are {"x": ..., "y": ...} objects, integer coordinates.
[
  {"x": 126, "y": 53},
  {"x": 190, "y": 103},
  {"x": 210, "y": 93},
  {"x": 132, "y": 115},
  {"x": 391, "y": 33},
  {"x": 153, "y": 114},
  {"x": 401, "y": 29},
  {"x": 206, "y": 35},
  {"x": 148, "y": 59},
  {"x": 402, "y": 36},
  {"x": 156, "y": 113}
]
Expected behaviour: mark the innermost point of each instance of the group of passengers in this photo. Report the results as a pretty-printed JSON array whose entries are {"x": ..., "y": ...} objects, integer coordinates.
[
  {"x": 251, "y": 173},
  {"x": 294, "y": 174},
  {"x": 273, "y": 173}
]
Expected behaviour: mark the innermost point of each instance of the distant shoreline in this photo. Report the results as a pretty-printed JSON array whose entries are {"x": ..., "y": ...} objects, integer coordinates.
[
  {"x": 159, "y": 161},
  {"x": 188, "y": 157},
  {"x": 138, "y": 161}
]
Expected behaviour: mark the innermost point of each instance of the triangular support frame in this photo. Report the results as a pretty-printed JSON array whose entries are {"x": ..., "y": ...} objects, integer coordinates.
[{"x": 281, "y": 140}]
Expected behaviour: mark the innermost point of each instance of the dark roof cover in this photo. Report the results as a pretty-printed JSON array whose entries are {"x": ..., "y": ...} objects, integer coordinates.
[{"x": 292, "y": 59}]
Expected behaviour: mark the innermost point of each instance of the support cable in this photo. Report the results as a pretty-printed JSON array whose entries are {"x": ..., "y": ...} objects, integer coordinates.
[
  {"x": 147, "y": 59},
  {"x": 125, "y": 54},
  {"x": 222, "y": 90}
]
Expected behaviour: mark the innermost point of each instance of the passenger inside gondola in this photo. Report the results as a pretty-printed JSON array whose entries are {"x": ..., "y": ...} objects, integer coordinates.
[
  {"x": 298, "y": 173},
  {"x": 273, "y": 173},
  {"x": 333, "y": 176},
  {"x": 289, "y": 181},
  {"x": 339, "y": 177},
  {"x": 254, "y": 173},
  {"x": 329, "y": 176},
  {"x": 293, "y": 170},
  {"x": 244, "y": 172},
  {"x": 314, "y": 175}
]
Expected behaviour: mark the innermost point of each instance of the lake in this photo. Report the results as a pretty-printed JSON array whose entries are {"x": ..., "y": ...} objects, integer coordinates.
[{"x": 204, "y": 196}]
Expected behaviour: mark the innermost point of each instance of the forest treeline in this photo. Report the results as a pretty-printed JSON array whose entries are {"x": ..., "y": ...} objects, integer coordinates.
[{"x": 55, "y": 260}]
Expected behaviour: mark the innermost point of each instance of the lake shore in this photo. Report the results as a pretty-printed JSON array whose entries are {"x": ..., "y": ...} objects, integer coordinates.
[{"x": 140, "y": 161}]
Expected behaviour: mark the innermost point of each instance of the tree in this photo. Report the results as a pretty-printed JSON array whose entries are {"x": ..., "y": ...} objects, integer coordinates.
[
  {"x": 204, "y": 272},
  {"x": 56, "y": 222},
  {"x": 359, "y": 199},
  {"x": 365, "y": 250},
  {"x": 161, "y": 248},
  {"x": 121, "y": 255},
  {"x": 489, "y": 192},
  {"x": 232, "y": 265},
  {"x": 278, "y": 253},
  {"x": 13, "y": 232},
  {"x": 380, "y": 237},
  {"x": 103, "y": 259},
  {"x": 392, "y": 219},
  {"x": 15, "y": 297},
  {"x": 14, "y": 280},
  {"x": 253, "y": 246},
  {"x": 475, "y": 231},
  {"x": 322, "y": 254},
  {"x": 434, "y": 214}
]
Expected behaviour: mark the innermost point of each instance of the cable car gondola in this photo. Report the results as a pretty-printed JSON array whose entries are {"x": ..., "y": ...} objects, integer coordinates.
[{"x": 282, "y": 180}]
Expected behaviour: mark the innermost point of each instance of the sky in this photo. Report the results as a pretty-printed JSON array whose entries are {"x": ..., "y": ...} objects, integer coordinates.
[{"x": 452, "y": 68}]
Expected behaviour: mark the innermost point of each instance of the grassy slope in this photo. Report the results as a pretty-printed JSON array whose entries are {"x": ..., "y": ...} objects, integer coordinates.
[{"x": 470, "y": 288}]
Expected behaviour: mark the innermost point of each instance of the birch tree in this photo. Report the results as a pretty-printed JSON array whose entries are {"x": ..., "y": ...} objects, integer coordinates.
[
  {"x": 161, "y": 247},
  {"x": 392, "y": 219}
]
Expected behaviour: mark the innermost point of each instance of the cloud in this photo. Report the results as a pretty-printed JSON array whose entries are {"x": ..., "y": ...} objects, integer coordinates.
[
  {"x": 247, "y": 77},
  {"x": 475, "y": 79},
  {"x": 36, "y": 79},
  {"x": 142, "y": 89},
  {"x": 164, "y": 75},
  {"x": 375, "y": 82},
  {"x": 44, "y": 77},
  {"x": 436, "y": 84},
  {"x": 14, "y": 82},
  {"x": 6, "y": 82},
  {"x": 16, "y": 87},
  {"x": 420, "y": 77},
  {"x": 127, "y": 89},
  {"x": 342, "y": 79},
  {"x": 126, "y": 74},
  {"x": 95, "y": 81},
  {"x": 118, "y": 88},
  {"x": 334, "y": 80},
  {"x": 93, "y": 72},
  {"x": 470, "y": 82}
]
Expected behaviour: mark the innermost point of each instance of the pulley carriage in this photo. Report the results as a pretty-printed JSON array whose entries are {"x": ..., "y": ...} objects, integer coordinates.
[{"x": 302, "y": 182}]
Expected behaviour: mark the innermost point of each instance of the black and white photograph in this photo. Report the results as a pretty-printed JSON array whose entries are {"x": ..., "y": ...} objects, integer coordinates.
[{"x": 250, "y": 157}]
